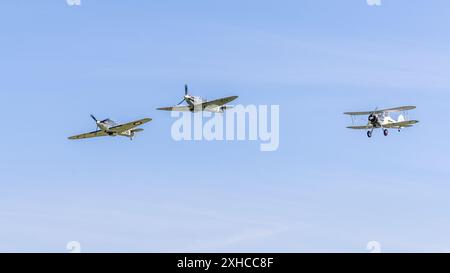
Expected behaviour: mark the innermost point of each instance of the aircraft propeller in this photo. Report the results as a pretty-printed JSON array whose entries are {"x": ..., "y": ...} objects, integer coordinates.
[
  {"x": 92, "y": 116},
  {"x": 185, "y": 94},
  {"x": 96, "y": 121},
  {"x": 372, "y": 116}
]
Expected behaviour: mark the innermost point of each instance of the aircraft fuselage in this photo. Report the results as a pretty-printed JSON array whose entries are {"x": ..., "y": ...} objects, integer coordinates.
[
  {"x": 195, "y": 103},
  {"x": 378, "y": 121},
  {"x": 104, "y": 126}
]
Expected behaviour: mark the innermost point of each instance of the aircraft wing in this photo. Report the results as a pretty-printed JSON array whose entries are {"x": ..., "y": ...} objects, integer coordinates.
[
  {"x": 389, "y": 110},
  {"x": 406, "y": 123},
  {"x": 362, "y": 127},
  {"x": 219, "y": 102},
  {"x": 98, "y": 133},
  {"x": 127, "y": 126},
  {"x": 366, "y": 113},
  {"x": 398, "y": 109},
  {"x": 182, "y": 108}
]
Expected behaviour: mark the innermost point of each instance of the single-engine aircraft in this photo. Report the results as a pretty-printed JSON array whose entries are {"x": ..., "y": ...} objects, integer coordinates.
[
  {"x": 108, "y": 127},
  {"x": 382, "y": 119},
  {"x": 197, "y": 104}
]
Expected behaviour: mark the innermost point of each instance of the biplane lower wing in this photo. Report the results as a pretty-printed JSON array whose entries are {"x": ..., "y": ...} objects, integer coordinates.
[
  {"x": 406, "y": 123},
  {"x": 361, "y": 127},
  {"x": 402, "y": 124}
]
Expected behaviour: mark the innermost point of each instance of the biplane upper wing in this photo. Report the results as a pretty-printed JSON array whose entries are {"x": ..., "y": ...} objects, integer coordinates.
[
  {"x": 406, "y": 123},
  {"x": 127, "y": 126},
  {"x": 390, "y": 110},
  {"x": 182, "y": 108},
  {"x": 398, "y": 109},
  {"x": 98, "y": 133},
  {"x": 220, "y": 102}
]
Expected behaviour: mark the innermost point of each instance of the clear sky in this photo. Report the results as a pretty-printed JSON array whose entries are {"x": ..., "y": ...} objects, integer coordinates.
[{"x": 327, "y": 188}]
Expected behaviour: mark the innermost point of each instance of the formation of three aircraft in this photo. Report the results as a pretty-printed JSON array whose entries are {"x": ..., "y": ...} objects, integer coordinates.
[{"x": 376, "y": 119}]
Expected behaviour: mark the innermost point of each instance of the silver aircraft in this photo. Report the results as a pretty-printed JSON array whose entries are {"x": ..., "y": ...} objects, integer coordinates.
[
  {"x": 382, "y": 119},
  {"x": 198, "y": 104}
]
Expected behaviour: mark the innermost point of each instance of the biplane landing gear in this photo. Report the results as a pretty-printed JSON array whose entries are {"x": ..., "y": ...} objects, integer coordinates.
[
  {"x": 385, "y": 132},
  {"x": 369, "y": 134}
]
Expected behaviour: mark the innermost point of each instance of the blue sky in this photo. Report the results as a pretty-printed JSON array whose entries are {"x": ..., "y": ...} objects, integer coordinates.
[{"x": 327, "y": 188}]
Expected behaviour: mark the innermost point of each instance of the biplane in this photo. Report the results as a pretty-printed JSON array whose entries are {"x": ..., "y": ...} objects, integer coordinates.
[{"x": 383, "y": 119}]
